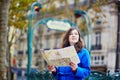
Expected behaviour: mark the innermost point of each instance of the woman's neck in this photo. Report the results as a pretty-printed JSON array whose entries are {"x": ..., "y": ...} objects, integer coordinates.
[{"x": 71, "y": 44}]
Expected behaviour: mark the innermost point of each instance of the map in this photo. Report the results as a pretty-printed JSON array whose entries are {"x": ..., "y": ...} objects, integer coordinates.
[{"x": 60, "y": 57}]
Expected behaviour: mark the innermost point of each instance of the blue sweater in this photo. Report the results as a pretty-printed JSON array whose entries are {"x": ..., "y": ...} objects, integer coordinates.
[{"x": 83, "y": 70}]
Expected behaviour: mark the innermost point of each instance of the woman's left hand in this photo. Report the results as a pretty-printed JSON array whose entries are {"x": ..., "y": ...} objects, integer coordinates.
[{"x": 73, "y": 66}]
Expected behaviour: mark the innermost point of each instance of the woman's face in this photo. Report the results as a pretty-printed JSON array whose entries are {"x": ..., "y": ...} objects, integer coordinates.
[{"x": 73, "y": 37}]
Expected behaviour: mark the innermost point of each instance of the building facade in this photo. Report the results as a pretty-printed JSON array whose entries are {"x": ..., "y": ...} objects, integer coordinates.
[{"x": 103, "y": 41}]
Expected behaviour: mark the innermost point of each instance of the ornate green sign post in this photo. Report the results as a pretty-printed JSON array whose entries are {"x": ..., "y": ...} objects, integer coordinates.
[
  {"x": 34, "y": 6},
  {"x": 51, "y": 23}
]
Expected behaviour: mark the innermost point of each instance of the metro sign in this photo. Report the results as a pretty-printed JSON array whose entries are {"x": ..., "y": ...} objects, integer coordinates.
[{"x": 58, "y": 25}]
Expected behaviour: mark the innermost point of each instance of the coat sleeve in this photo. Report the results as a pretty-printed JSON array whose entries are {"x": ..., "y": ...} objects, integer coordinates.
[{"x": 83, "y": 69}]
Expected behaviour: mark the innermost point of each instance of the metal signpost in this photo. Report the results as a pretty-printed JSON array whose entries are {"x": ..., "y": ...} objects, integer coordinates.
[
  {"x": 61, "y": 25},
  {"x": 51, "y": 23}
]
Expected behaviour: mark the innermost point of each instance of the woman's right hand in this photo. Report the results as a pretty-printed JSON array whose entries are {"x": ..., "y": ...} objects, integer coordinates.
[{"x": 51, "y": 68}]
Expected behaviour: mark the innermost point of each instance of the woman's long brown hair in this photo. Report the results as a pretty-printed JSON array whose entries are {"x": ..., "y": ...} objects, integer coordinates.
[{"x": 65, "y": 42}]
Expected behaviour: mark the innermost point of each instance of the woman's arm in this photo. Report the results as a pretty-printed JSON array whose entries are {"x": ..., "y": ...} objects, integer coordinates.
[
  {"x": 52, "y": 69},
  {"x": 83, "y": 69}
]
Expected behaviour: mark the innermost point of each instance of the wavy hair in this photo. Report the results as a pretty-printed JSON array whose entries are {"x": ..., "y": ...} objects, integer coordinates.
[{"x": 65, "y": 42}]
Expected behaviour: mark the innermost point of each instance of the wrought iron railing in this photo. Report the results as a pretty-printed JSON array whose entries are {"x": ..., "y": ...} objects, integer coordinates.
[
  {"x": 94, "y": 75},
  {"x": 43, "y": 75},
  {"x": 98, "y": 75}
]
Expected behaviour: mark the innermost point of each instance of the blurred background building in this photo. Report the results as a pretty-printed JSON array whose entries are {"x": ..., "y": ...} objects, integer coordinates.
[{"x": 104, "y": 33}]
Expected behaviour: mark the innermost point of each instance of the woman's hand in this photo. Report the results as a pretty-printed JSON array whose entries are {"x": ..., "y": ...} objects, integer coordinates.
[
  {"x": 51, "y": 68},
  {"x": 73, "y": 66}
]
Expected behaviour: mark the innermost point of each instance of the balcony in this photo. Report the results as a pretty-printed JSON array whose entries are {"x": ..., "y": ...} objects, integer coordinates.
[{"x": 96, "y": 47}]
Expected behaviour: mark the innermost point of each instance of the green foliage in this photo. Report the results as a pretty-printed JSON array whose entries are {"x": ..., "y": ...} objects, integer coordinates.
[
  {"x": 19, "y": 9},
  {"x": 18, "y": 13}
]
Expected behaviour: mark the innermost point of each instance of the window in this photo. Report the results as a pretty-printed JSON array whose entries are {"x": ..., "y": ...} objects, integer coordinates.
[
  {"x": 20, "y": 61},
  {"x": 20, "y": 52},
  {"x": 37, "y": 63},
  {"x": 36, "y": 51},
  {"x": 97, "y": 45},
  {"x": 102, "y": 59},
  {"x": 93, "y": 1},
  {"x": 47, "y": 45},
  {"x": 48, "y": 30},
  {"x": 57, "y": 45},
  {"x": 98, "y": 38},
  {"x": 85, "y": 2}
]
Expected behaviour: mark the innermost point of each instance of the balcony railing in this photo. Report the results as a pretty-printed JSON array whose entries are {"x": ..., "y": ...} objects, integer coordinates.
[{"x": 96, "y": 47}]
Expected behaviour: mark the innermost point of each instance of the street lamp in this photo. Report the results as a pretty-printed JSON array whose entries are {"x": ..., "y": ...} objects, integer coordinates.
[
  {"x": 78, "y": 14},
  {"x": 34, "y": 7}
]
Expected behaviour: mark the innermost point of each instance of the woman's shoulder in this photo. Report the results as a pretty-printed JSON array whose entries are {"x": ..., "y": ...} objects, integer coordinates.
[{"x": 84, "y": 49}]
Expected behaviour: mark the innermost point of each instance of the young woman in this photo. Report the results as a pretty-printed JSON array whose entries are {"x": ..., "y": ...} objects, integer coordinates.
[{"x": 74, "y": 71}]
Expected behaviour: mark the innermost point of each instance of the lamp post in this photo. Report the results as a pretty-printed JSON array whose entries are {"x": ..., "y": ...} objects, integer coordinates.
[
  {"x": 34, "y": 7},
  {"x": 79, "y": 13}
]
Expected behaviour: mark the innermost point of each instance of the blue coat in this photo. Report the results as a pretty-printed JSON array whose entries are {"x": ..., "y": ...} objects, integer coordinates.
[{"x": 83, "y": 70}]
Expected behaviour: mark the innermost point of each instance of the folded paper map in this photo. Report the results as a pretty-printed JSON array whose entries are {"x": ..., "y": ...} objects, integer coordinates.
[{"x": 60, "y": 57}]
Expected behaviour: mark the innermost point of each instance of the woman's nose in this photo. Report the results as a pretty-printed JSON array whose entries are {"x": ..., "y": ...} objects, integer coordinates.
[{"x": 73, "y": 35}]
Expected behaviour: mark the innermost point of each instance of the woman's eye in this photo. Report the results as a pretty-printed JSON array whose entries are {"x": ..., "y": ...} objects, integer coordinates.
[
  {"x": 70, "y": 34},
  {"x": 76, "y": 33}
]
